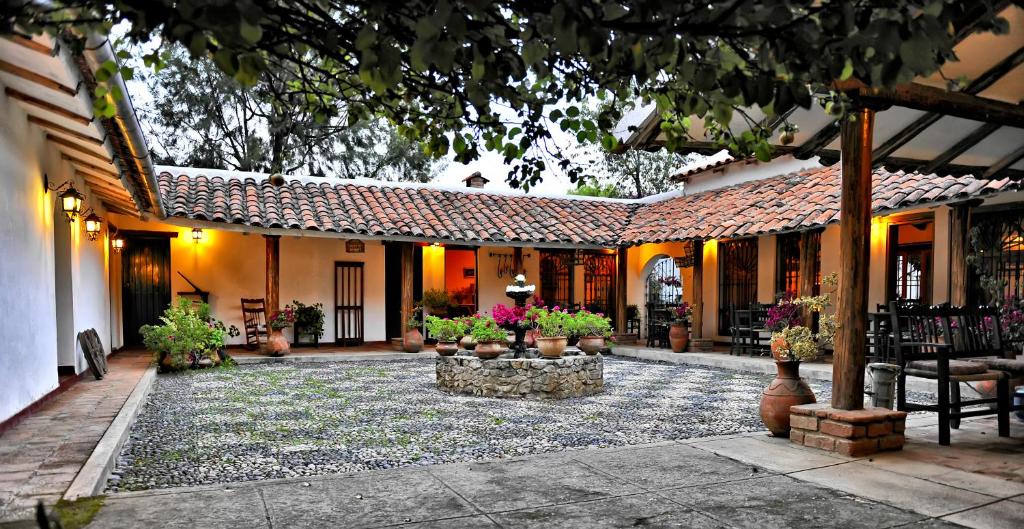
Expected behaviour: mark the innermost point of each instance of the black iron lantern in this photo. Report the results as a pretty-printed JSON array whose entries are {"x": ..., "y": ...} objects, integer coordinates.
[
  {"x": 117, "y": 244},
  {"x": 685, "y": 260},
  {"x": 71, "y": 203},
  {"x": 93, "y": 225},
  {"x": 197, "y": 234}
]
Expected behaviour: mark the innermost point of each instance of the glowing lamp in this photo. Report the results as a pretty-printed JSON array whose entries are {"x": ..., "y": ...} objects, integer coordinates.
[
  {"x": 197, "y": 234},
  {"x": 117, "y": 244},
  {"x": 71, "y": 203},
  {"x": 93, "y": 224}
]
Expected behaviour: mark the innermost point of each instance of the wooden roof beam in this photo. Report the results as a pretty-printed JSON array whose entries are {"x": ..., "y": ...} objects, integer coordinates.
[
  {"x": 938, "y": 101},
  {"x": 114, "y": 208},
  {"x": 102, "y": 182},
  {"x": 61, "y": 129},
  {"x": 78, "y": 148},
  {"x": 35, "y": 77},
  {"x": 818, "y": 141},
  {"x": 88, "y": 165},
  {"x": 960, "y": 147},
  {"x": 46, "y": 105},
  {"x": 28, "y": 43},
  {"x": 983, "y": 81},
  {"x": 1004, "y": 163}
]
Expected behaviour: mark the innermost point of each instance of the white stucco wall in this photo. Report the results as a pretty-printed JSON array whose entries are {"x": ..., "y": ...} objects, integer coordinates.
[{"x": 28, "y": 362}]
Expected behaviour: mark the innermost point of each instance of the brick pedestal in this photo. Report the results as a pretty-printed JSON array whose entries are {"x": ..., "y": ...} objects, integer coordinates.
[{"x": 855, "y": 433}]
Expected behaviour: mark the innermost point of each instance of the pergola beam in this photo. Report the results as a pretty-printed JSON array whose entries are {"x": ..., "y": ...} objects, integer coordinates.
[
  {"x": 1004, "y": 163},
  {"x": 936, "y": 100},
  {"x": 46, "y": 105},
  {"x": 87, "y": 165},
  {"x": 78, "y": 148},
  {"x": 959, "y": 148},
  {"x": 818, "y": 141}
]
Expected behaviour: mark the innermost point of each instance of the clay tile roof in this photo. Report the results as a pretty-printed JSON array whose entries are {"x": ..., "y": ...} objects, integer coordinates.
[{"x": 789, "y": 202}]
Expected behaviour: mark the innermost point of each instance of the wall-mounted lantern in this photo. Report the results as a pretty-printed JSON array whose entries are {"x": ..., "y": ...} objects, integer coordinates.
[
  {"x": 71, "y": 203},
  {"x": 117, "y": 244},
  {"x": 197, "y": 234},
  {"x": 93, "y": 225}
]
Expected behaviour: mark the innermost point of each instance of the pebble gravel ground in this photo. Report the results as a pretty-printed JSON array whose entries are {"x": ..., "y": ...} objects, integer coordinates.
[{"x": 269, "y": 421}]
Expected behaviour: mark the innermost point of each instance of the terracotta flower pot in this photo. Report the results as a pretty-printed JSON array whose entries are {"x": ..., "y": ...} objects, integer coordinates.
[
  {"x": 530, "y": 338},
  {"x": 447, "y": 348},
  {"x": 277, "y": 345},
  {"x": 488, "y": 350},
  {"x": 468, "y": 343},
  {"x": 413, "y": 341},
  {"x": 788, "y": 389},
  {"x": 591, "y": 344},
  {"x": 552, "y": 346},
  {"x": 679, "y": 336}
]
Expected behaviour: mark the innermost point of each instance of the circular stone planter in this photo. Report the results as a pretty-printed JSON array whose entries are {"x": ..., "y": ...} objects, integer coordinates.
[{"x": 531, "y": 378}]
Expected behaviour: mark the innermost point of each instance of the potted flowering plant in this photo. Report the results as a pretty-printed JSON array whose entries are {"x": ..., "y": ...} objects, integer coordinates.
[
  {"x": 792, "y": 343},
  {"x": 277, "y": 322},
  {"x": 309, "y": 322},
  {"x": 593, "y": 328},
  {"x": 553, "y": 327},
  {"x": 467, "y": 341},
  {"x": 187, "y": 337},
  {"x": 679, "y": 329},
  {"x": 491, "y": 339},
  {"x": 447, "y": 331}
]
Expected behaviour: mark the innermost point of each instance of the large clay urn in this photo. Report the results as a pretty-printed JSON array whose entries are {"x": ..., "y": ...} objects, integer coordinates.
[
  {"x": 413, "y": 341},
  {"x": 788, "y": 389},
  {"x": 489, "y": 350},
  {"x": 591, "y": 344},
  {"x": 277, "y": 344},
  {"x": 552, "y": 346},
  {"x": 679, "y": 336}
]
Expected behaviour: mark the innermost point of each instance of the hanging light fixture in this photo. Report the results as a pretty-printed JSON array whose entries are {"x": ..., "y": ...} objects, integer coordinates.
[
  {"x": 197, "y": 234},
  {"x": 685, "y": 260},
  {"x": 71, "y": 203},
  {"x": 93, "y": 225},
  {"x": 117, "y": 244}
]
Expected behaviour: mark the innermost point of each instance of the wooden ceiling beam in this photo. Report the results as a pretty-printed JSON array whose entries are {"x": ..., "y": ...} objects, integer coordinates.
[
  {"x": 818, "y": 141},
  {"x": 61, "y": 129},
  {"x": 30, "y": 44},
  {"x": 114, "y": 208},
  {"x": 110, "y": 196},
  {"x": 1004, "y": 163},
  {"x": 982, "y": 82},
  {"x": 959, "y": 148},
  {"x": 88, "y": 165},
  {"x": 46, "y": 105},
  {"x": 939, "y": 101},
  {"x": 103, "y": 182},
  {"x": 78, "y": 148},
  {"x": 35, "y": 77}
]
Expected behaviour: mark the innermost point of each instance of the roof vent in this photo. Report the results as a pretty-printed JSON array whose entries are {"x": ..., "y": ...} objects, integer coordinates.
[{"x": 475, "y": 180}]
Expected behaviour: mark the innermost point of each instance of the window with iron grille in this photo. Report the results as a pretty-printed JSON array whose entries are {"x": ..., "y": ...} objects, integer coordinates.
[
  {"x": 997, "y": 245},
  {"x": 556, "y": 277},
  {"x": 737, "y": 278},
  {"x": 599, "y": 283},
  {"x": 664, "y": 283},
  {"x": 787, "y": 267},
  {"x": 910, "y": 262}
]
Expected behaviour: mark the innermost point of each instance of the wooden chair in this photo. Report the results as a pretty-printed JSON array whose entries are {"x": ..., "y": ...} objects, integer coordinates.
[
  {"x": 254, "y": 313},
  {"x": 930, "y": 342}
]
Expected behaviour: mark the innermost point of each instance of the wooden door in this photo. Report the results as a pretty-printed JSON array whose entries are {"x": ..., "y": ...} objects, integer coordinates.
[
  {"x": 348, "y": 303},
  {"x": 145, "y": 284}
]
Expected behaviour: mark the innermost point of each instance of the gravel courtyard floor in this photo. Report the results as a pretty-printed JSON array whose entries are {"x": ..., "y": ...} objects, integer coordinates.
[{"x": 286, "y": 420}]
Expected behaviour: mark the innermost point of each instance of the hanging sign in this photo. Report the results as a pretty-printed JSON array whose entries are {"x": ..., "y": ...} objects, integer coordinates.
[{"x": 355, "y": 246}]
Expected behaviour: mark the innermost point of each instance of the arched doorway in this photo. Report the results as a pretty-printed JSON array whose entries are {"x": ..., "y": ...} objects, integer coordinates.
[{"x": 663, "y": 290}]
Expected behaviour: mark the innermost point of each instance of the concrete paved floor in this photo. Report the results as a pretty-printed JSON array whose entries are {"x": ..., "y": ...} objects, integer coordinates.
[
  {"x": 749, "y": 480},
  {"x": 41, "y": 455}
]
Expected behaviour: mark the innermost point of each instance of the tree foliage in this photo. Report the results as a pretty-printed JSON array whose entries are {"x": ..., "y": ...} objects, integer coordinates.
[
  {"x": 466, "y": 76},
  {"x": 199, "y": 117}
]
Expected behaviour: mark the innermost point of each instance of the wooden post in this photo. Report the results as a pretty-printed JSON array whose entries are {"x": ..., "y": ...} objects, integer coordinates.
[
  {"x": 620, "y": 291},
  {"x": 273, "y": 262},
  {"x": 517, "y": 260},
  {"x": 407, "y": 282},
  {"x": 854, "y": 258},
  {"x": 958, "y": 225},
  {"x": 697, "y": 332},
  {"x": 809, "y": 245}
]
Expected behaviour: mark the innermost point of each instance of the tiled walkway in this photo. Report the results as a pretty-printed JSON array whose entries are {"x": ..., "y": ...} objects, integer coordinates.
[{"x": 41, "y": 455}]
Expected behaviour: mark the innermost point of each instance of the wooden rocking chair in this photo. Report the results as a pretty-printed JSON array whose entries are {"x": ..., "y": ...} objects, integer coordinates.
[{"x": 254, "y": 312}]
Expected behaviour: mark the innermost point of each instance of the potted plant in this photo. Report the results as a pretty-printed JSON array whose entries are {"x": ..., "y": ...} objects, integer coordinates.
[
  {"x": 468, "y": 342},
  {"x": 309, "y": 322},
  {"x": 553, "y": 327},
  {"x": 187, "y": 337},
  {"x": 592, "y": 328},
  {"x": 436, "y": 301},
  {"x": 278, "y": 321},
  {"x": 679, "y": 329},
  {"x": 791, "y": 344},
  {"x": 491, "y": 339},
  {"x": 412, "y": 340},
  {"x": 447, "y": 332}
]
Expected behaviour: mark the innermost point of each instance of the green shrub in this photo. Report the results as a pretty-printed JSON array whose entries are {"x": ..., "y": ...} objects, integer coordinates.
[
  {"x": 551, "y": 323},
  {"x": 486, "y": 330},
  {"x": 436, "y": 299},
  {"x": 586, "y": 323},
  {"x": 309, "y": 318},
  {"x": 444, "y": 329},
  {"x": 188, "y": 333}
]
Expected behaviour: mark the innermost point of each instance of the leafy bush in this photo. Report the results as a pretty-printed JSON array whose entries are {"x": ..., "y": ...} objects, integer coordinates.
[
  {"x": 586, "y": 323},
  {"x": 444, "y": 329},
  {"x": 551, "y": 322},
  {"x": 485, "y": 329},
  {"x": 188, "y": 334},
  {"x": 280, "y": 319},
  {"x": 309, "y": 318},
  {"x": 436, "y": 299}
]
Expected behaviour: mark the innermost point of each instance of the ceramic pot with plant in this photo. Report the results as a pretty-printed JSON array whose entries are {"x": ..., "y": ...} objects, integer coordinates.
[
  {"x": 412, "y": 340},
  {"x": 447, "y": 332},
  {"x": 679, "y": 329},
  {"x": 467, "y": 341},
  {"x": 309, "y": 322},
  {"x": 491, "y": 339},
  {"x": 189, "y": 336},
  {"x": 553, "y": 327},
  {"x": 436, "y": 301},
  {"x": 277, "y": 344},
  {"x": 592, "y": 328}
]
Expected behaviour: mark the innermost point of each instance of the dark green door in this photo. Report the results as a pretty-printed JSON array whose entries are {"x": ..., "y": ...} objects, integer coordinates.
[{"x": 145, "y": 284}]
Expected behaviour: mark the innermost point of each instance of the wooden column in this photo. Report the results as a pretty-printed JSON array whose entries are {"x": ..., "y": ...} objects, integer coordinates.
[
  {"x": 273, "y": 262},
  {"x": 854, "y": 259},
  {"x": 809, "y": 245},
  {"x": 697, "y": 331},
  {"x": 959, "y": 220},
  {"x": 517, "y": 260},
  {"x": 620, "y": 290},
  {"x": 407, "y": 282}
]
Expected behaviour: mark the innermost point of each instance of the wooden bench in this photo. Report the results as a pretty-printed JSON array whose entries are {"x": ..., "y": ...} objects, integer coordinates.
[{"x": 934, "y": 343}]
